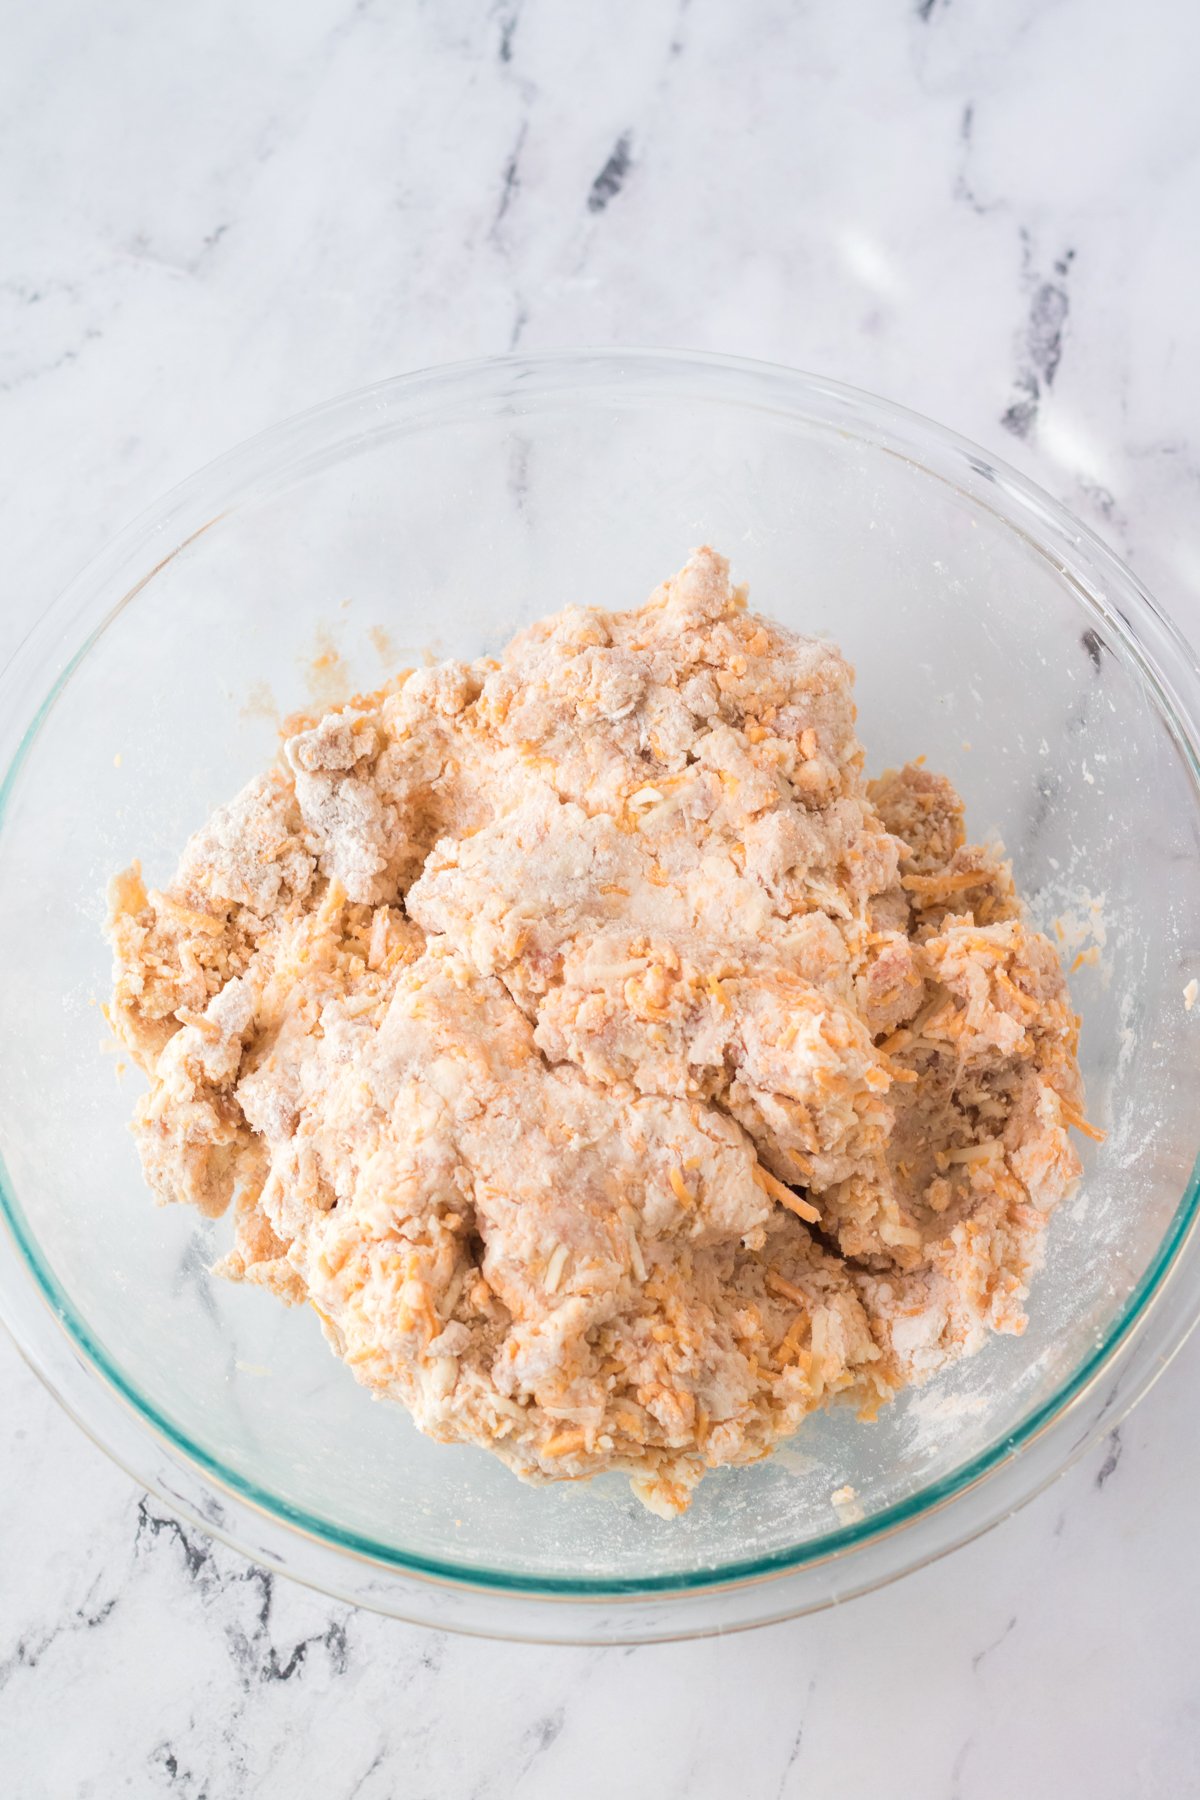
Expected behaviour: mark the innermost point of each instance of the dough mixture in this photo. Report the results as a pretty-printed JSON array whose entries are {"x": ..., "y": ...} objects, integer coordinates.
[{"x": 617, "y": 1073}]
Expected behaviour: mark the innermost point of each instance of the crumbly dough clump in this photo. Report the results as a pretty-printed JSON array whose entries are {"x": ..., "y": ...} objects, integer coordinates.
[{"x": 617, "y": 1073}]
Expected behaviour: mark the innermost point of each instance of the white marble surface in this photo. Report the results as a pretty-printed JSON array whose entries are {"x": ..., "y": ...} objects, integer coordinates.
[{"x": 214, "y": 215}]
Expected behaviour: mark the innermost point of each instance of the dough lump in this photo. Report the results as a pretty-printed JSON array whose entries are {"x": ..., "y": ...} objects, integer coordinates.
[{"x": 617, "y": 1073}]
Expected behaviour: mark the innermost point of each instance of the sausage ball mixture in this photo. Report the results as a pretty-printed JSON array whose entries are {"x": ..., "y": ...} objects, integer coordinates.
[{"x": 616, "y": 1071}]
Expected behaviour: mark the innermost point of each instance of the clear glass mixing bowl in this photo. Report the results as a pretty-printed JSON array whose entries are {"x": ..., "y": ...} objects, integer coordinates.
[{"x": 433, "y": 515}]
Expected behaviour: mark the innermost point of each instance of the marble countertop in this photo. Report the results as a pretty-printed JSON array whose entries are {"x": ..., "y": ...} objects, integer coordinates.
[{"x": 214, "y": 216}]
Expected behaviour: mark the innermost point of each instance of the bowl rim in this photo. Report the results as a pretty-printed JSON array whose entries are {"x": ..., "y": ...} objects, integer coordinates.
[{"x": 257, "y": 467}]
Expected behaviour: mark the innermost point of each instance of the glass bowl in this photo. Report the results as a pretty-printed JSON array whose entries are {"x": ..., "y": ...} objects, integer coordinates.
[{"x": 433, "y": 515}]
